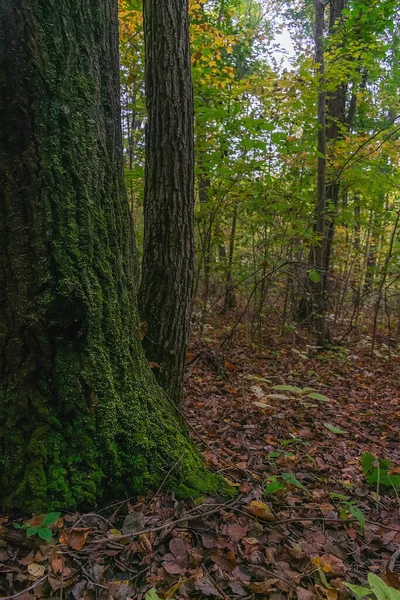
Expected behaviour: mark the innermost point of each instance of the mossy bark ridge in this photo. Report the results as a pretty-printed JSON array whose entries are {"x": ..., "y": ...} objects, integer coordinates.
[{"x": 81, "y": 416}]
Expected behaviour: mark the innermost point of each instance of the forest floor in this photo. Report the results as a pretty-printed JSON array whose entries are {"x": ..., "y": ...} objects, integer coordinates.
[{"x": 305, "y": 519}]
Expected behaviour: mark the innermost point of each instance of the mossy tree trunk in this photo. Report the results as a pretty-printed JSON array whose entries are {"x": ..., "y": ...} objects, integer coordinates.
[
  {"x": 81, "y": 417},
  {"x": 165, "y": 293}
]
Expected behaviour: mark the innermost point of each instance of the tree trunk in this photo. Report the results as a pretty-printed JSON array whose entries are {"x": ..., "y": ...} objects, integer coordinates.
[
  {"x": 317, "y": 251},
  {"x": 81, "y": 417},
  {"x": 230, "y": 296},
  {"x": 168, "y": 263}
]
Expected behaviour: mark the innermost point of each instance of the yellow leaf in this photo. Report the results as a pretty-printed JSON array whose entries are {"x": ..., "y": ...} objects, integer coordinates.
[
  {"x": 36, "y": 570},
  {"x": 260, "y": 510}
]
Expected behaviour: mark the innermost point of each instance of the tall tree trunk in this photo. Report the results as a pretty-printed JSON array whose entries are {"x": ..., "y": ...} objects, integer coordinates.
[
  {"x": 81, "y": 416},
  {"x": 335, "y": 120},
  {"x": 168, "y": 263},
  {"x": 317, "y": 251}
]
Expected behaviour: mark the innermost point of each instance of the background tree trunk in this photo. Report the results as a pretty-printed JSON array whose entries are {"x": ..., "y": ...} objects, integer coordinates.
[
  {"x": 168, "y": 263},
  {"x": 81, "y": 417},
  {"x": 317, "y": 250}
]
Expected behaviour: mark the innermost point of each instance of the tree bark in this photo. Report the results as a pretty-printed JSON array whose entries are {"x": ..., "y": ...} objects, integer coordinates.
[
  {"x": 317, "y": 250},
  {"x": 165, "y": 293},
  {"x": 81, "y": 416},
  {"x": 230, "y": 296}
]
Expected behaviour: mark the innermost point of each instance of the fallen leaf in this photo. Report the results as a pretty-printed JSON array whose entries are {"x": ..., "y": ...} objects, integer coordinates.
[
  {"x": 258, "y": 391},
  {"x": 57, "y": 565},
  {"x": 236, "y": 532},
  {"x": 260, "y": 510},
  {"x": 207, "y": 587},
  {"x": 223, "y": 562},
  {"x": 330, "y": 564},
  {"x": 28, "y": 559},
  {"x": 303, "y": 594},
  {"x": 178, "y": 549},
  {"x": 36, "y": 570},
  {"x": 75, "y": 539}
]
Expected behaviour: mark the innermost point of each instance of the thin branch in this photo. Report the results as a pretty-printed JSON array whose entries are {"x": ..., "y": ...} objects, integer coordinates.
[{"x": 28, "y": 589}]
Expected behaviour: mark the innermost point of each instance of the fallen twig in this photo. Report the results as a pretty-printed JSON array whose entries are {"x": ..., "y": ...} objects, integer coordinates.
[{"x": 28, "y": 589}]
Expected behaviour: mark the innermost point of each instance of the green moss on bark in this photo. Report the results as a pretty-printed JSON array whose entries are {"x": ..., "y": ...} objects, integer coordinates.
[{"x": 81, "y": 417}]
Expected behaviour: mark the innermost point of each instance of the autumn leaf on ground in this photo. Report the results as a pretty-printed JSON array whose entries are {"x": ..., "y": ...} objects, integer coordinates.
[
  {"x": 260, "y": 510},
  {"x": 75, "y": 538}
]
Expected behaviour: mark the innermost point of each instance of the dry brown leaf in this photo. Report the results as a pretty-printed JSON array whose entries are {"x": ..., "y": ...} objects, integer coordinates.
[
  {"x": 260, "y": 510},
  {"x": 28, "y": 559},
  {"x": 251, "y": 540},
  {"x": 258, "y": 391},
  {"x": 330, "y": 564},
  {"x": 36, "y": 520},
  {"x": 76, "y": 538},
  {"x": 303, "y": 594},
  {"x": 36, "y": 570},
  {"x": 57, "y": 565},
  {"x": 230, "y": 366},
  {"x": 262, "y": 587},
  {"x": 236, "y": 532}
]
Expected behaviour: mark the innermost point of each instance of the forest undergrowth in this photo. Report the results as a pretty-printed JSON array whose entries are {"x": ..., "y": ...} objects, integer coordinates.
[{"x": 310, "y": 440}]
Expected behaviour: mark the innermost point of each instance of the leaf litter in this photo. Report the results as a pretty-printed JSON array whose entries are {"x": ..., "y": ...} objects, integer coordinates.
[{"x": 320, "y": 524}]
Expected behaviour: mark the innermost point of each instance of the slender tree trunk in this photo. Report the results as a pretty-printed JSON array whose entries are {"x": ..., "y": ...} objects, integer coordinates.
[
  {"x": 207, "y": 227},
  {"x": 335, "y": 121},
  {"x": 230, "y": 296},
  {"x": 317, "y": 251},
  {"x": 168, "y": 263},
  {"x": 372, "y": 254},
  {"x": 81, "y": 416},
  {"x": 383, "y": 280}
]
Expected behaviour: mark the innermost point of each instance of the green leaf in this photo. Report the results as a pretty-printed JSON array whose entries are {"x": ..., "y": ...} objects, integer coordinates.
[
  {"x": 51, "y": 518},
  {"x": 324, "y": 580},
  {"x": 333, "y": 428},
  {"x": 381, "y": 590},
  {"x": 136, "y": 173},
  {"x": 291, "y": 479},
  {"x": 45, "y": 533},
  {"x": 293, "y": 441},
  {"x": 278, "y": 137},
  {"x": 32, "y": 531},
  {"x": 317, "y": 396},
  {"x": 288, "y": 388},
  {"x": 273, "y": 486},
  {"x": 314, "y": 275},
  {"x": 358, "y": 514},
  {"x": 311, "y": 459},
  {"x": 152, "y": 595},
  {"x": 368, "y": 462},
  {"x": 358, "y": 590},
  {"x": 338, "y": 496},
  {"x": 376, "y": 470},
  {"x": 17, "y": 526}
]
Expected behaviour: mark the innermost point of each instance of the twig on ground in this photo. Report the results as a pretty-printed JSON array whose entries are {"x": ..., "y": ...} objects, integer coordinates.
[
  {"x": 394, "y": 559},
  {"x": 83, "y": 517},
  {"x": 167, "y": 475},
  {"x": 190, "y": 516},
  {"x": 28, "y": 589}
]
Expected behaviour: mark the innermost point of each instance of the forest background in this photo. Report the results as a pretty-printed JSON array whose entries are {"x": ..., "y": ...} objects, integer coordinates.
[{"x": 256, "y": 129}]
